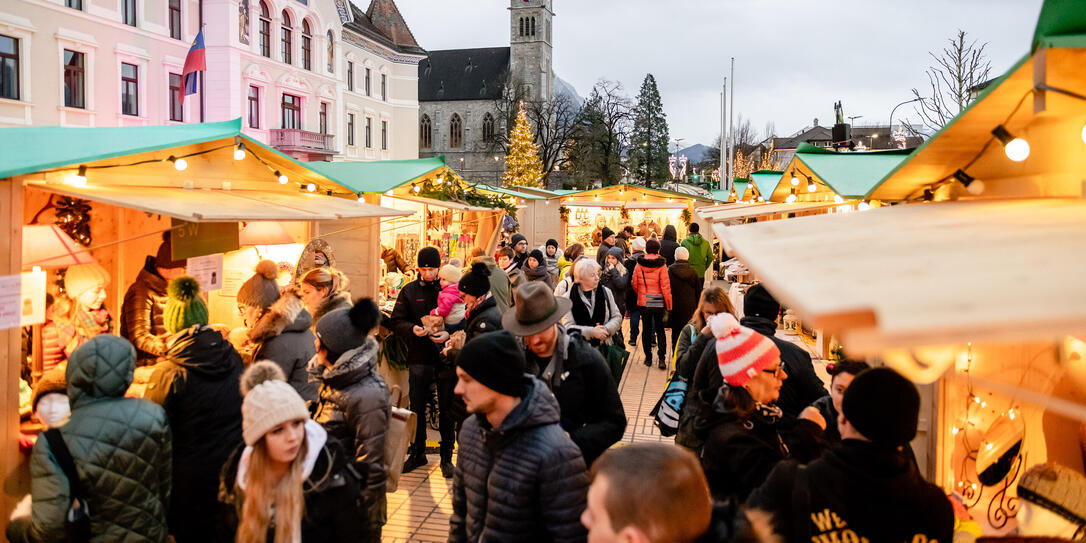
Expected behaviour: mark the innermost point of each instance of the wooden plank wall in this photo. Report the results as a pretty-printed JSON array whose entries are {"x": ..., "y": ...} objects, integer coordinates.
[
  {"x": 356, "y": 243},
  {"x": 16, "y": 476}
]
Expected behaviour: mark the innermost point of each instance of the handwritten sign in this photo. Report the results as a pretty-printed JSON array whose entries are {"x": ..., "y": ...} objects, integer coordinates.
[{"x": 22, "y": 299}]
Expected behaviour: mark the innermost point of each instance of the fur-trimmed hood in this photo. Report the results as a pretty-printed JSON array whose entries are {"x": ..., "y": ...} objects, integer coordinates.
[
  {"x": 339, "y": 300},
  {"x": 287, "y": 314},
  {"x": 350, "y": 368}
]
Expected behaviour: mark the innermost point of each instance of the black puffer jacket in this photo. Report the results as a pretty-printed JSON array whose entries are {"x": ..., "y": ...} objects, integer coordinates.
[
  {"x": 684, "y": 293},
  {"x": 702, "y": 372},
  {"x": 141, "y": 314},
  {"x": 416, "y": 299},
  {"x": 524, "y": 481},
  {"x": 353, "y": 407},
  {"x": 669, "y": 243},
  {"x": 618, "y": 282},
  {"x": 803, "y": 386},
  {"x": 198, "y": 387},
  {"x": 485, "y": 318},
  {"x": 738, "y": 454},
  {"x": 282, "y": 335},
  {"x": 631, "y": 294},
  {"x": 855, "y": 492},
  {"x": 592, "y": 410}
]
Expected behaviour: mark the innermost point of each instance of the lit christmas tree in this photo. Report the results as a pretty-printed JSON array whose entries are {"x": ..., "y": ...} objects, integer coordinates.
[{"x": 522, "y": 164}]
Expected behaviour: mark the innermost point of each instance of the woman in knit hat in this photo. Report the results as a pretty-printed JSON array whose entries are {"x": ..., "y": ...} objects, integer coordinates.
[
  {"x": 85, "y": 317},
  {"x": 535, "y": 268},
  {"x": 551, "y": 255},
  {"x": 353, "y": 403},
  {"x": 741, "y": 440},
  {"x": 287, "y": 482},
  {"x": 324, "y": 290},
  {"x": 276, "y": 327}
]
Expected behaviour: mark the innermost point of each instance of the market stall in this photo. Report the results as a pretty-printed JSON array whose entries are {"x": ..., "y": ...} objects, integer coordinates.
[
  {"x": 761, "y": 185},
  {"x": 817, "y": 174}
]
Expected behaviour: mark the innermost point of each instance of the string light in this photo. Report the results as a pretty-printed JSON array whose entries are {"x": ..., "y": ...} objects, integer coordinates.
[
  {"x": 1016, "y": 149},
  {"x": 281, "y": 178},
  {"x": 863, "y": 206},
  {"x": 310, "y": 187},
  {"x": 811, "y": 186},
  {"x": 791, "y": 196},
  {"x": 1084, "y": 133},
  {"x": 179, "y": 164},
  {"x": 955, "y": 430},
  {"x": 644, "y": 196},
  {"x": 837, "y": 199},
  {"x": 239, "y": 153},
  {"x": 78, "y": 179},
  {"x": 361, "y": 199},
  {"x": 415, "y": 188},
  {"x": 795, "y": 180}
]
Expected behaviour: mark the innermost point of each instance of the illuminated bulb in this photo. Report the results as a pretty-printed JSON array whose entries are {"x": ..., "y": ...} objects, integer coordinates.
[
  {"x": 837, "y": 199},
  {"x": 672, "y": 199},
  {"x": 811, "y": 187},
  {"x": 795, "y": 181},
  {"x": 361, "y": 199},
  {"x": 955, "y": 430},
  {"x": 644, "y": 196},
  {"x": 522, "y": 202},
  {"x": 620, "y": 193},
  {"x": 546, "y": 202},
  {"x": 1010, "y": 414},
  {"x": 597, "y": 198},
  {"x": 78, "y": 179},
  {"x": 988, "y": 447},
  {"x": 1084, "y": 133},
  {"x": 1017, "y": 149},
  {"x": 179, "y": 164},
  {"x": 310, "y": 187},
  {"x": 984, "y": 404},
  {"x": 976, "y": 187},
  {"x": 416, "y": 188},
  {"x": 760, "y": 199},
  {"x": 388, "y": 193},
  {"x": 791, "y": 198},
  {"x": 863, "y": 206},
  {"x": 974, "y": 487},
  {"x": 239, "y": 151},
  {"x": 281, "y": 178},
  {"x": 976, "y": 399},
  {"x": 959, "y": 484},
  {"x": 440, "y": 181}
]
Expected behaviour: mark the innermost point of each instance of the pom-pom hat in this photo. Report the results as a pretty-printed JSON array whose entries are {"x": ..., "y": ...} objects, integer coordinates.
[
  {"x": 268, "y": 405},
  {"x": 261, "y": 290},
  {"x": 741, "y": 353},
  {"x": 477, "y": 281},
  {"x": 184, "y": 306}
]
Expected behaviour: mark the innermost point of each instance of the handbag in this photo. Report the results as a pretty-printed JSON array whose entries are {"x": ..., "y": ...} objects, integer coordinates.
[
  {"x": 77, "y": 522},
  {"x": 616, "y": 356},
  {"x": 670, "y": 406},
  {"x": 652, "y": 301},
  {"x": 401, "y": 433}
]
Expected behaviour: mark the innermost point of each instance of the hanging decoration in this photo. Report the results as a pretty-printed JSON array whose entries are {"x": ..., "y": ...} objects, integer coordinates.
[
  {"x": 624, "y": 213},
  {"x": 563, "y": 214},
  {"x": 686, "y": 216},
  {"x": 73, "y": 217},
  {"x": 522, "y": 165},
  {"x": 456, "y": 192}
]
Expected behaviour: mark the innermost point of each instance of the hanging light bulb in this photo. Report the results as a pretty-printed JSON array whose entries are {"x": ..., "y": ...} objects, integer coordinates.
[
  {"x": 281, "y": 178},
  {"x": 811, "y": 186},
  {"x": 837, "y": 199},
  {"x": 310, "y": 187},
  {"x": 546, "y": 202},
  {"x": 440, "y": 180},
  {"x": 388, "y": 192},
  {"x": 644, "y": 196},
  {"x": 1016, "y": 149},
  {"x": 597, "y": 197},
  {"x": 239, "y": 152},
  {"x": 1084, "y": 133},
  {"x": 361, "y": 199},
  {"x": 795, "y": 180},
  {"x": 955, "y": 430},
  {"x": 863, "y": 206},
  {"x": 179, "y": 164},
  {"x": 79, "y": 178},
  {"x": 791, "y": 196},
  {"x": 416, "y": 188}
]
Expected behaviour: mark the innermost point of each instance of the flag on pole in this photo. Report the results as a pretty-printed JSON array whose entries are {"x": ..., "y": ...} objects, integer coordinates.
[{"x": 195, "y": 61}]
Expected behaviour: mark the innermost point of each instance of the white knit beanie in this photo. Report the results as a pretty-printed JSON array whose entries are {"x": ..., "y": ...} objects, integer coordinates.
[
  {"x": 268, "y": 405},
  {"x": 740, "y": 352},
  {"x": 449, "y": 273}
]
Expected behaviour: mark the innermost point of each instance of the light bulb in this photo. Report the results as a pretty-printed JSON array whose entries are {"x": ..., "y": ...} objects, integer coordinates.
[
  {"x": 988, "y": 447},
  {"x": 644, "y": 196},
  {"x": 180, "y": 164},
  {"x": 955, "y": 430},
  {"x": 416, "y": 188},
  {"x": 597, "y": 198},
  {"x": 837, "y": 199},
  {"x": 811, "y": 187},
  {"x": 310, "y": 187},
  {"x": 863, "y": 206},
  {"x": 361, "y": 199},
  {"x": 795, "y": 181},
  {"x": 976, "y": 187},
  {"x": 239, "y": 154},
  {"x": 1084, "y": 133},
  {"x": 760, "y": 199},
  {"x": 791, "y": 198},
  {"x": 79, "y": 178},
  {"x": 388, "y": 193},
  {"x": 546, "y": 202},
  {"x": 1017, "y": 149},
  {"x": 281, "y": 178}
]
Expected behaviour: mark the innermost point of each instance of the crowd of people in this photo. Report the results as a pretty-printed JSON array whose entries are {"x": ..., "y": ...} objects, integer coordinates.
[{"x": 277, "y": 431}]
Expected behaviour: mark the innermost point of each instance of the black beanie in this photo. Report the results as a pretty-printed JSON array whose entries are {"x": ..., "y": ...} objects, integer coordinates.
[
  {"x": 429, "y": 257},
  {"x": 517, "y": 238},
  {"x": 477, "y": 281},
  {"x": 883, "y": 406},
  {"x": 345, "y": 329},
  {"x": 606, "y": 233},
  {"x": 496, "y": 361},
  {"x": 652, "y": 247},
  {"x": 164, "y": 256},
  {"x": 538, "y": 256},
  {"x": 552, "y": 243},
  {"x": 758, "y": 302}
]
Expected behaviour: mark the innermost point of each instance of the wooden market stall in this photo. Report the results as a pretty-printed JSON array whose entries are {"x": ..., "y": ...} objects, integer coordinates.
[
  {"x": 761, "y": 185},
  {"x": 817, "y": 174}
]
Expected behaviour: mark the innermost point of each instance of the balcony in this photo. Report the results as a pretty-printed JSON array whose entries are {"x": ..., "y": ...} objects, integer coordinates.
[{"x": 303, "y": 144}]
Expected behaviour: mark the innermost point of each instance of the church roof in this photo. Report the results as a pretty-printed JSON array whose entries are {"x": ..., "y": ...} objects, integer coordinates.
[
  {"x": 463, "y": 74},
  {"x": 383, "y": 24}
]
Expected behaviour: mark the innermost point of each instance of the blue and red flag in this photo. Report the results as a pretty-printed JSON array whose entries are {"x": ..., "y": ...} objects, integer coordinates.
[{"x": 195, "y": 61}]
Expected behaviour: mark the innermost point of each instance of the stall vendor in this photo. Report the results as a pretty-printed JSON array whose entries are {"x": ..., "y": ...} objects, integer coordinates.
[
  {"x": 141, "y": 312},
  {"x": 82, "y": 315}
]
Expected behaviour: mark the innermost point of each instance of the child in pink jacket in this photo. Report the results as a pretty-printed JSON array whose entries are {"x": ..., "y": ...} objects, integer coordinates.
[{"x": 450, "y": 305}]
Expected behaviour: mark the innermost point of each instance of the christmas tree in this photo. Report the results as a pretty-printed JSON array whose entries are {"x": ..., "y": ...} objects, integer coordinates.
[{"x": 522, "y": 165}]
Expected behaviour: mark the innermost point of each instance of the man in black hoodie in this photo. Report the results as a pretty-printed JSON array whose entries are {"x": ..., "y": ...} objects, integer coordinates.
[
  {"x": 668, "y": 244},
  {"x": 865, "y": 489}
]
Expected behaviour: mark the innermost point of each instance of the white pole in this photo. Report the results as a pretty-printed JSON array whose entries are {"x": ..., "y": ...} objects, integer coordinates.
[
  {"x": 731, "y": 130},
  {"x": 724, "y": 136}
]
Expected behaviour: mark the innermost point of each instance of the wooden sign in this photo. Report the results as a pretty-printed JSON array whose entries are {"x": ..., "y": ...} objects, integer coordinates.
[{"x": 192, "y": 239}]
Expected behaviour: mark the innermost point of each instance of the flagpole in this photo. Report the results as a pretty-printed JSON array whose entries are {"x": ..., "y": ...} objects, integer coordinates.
[{"x": 202, "y": 75}]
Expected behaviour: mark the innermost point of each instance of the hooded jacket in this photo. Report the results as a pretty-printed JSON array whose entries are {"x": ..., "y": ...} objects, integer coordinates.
[
  {"x": 650, "y": 276},
  {"x": 552, "y": 261},
  {"x": 524, "y": 481},
  {"x": 112, "y": 439},
  {"x": 141, "y": 314},
  {"x": 875, "y": 493},
  {"x": 416, "y": 299},
  {"x": 282, "y": 335},
  {"x": 669, "y": 243},
  {"x": 499, "y": 283},
  {"x": 197, "y": 385},
  {"x": 701, "y": 252},
  {"x": 353, "y": 406},
  {"x": 803, "y": 386},
  {"x": 738, "y": 454},
  {"x": 685, "y": 289},
  {"x": 617, "y": 279},
  {"x": 339, "y": 300}
]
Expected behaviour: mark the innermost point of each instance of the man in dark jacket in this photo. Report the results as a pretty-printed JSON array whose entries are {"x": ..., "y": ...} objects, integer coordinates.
[
  {"x": 684, "y": 291},
  {"x": 518, "y": 475},
  {"x": 803, "y": 386},
  {"x": 622, "y": 240},
  {"x": 141, "y": 312},
  {"x": 519, "y": 244},
  {"x": 197, "y": 385},
  {"x": 669, "y": 243},
  {"x": 576, "y": 372},
  {"x": 416, "y": 299},
  {"x": 637, "y": 246},
  {"x": 608, "y": 241},
  {"x": 865, "y": 489}
]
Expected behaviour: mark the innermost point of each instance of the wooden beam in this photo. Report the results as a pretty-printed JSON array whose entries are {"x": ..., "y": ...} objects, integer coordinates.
[{"x": 12, "y": 468}]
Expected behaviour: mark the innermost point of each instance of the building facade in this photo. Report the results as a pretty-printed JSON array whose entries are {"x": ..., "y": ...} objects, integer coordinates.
[
  {"x": 459, "y": 91},
  {"x": 286, "y": 67}
]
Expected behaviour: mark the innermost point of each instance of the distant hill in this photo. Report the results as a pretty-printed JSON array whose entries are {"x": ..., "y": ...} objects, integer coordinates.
[
  {"x": 695, "y": 153},
  {"x": 561, "y": 86}
]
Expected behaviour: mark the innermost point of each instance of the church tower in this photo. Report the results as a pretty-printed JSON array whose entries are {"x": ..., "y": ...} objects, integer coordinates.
[{"x": 531, "y": 24}]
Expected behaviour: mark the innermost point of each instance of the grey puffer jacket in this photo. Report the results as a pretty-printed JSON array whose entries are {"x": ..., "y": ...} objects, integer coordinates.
[
  {"x": 524, "y": 481},
  {"x": 282, "y": 335},
  {"x": 122, "y": 452},
  {"x": 353, "y": 406}
]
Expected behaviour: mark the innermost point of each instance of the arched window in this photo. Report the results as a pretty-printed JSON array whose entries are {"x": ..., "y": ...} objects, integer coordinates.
[
  {"x": 426, "y": 134},
  {"x": 286, "y": 41},
  {"x": 533, "y": 26},
  {"x": 307, "y": 45},
  {"x": 331, "y": 52},
  {"x": 456, "y": 132},
  {"x": 488, "y": 127},
  {"x": 265, "y": 30}
]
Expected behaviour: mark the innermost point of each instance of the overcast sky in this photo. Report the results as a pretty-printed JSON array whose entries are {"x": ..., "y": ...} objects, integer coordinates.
[{"x": 793, "y": 58}]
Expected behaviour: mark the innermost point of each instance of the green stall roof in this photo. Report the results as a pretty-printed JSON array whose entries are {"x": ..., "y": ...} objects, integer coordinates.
[
  {"x": 721, "y": 195},
  {"x": 509, "y": 192},
  {"x": 378, "y": 176},
  {"x": 741, "y": 187},
  {"x": 852, "y": 175},
  {"x": 765, "y": 181},
  {"x": 1062, "y": 23}
]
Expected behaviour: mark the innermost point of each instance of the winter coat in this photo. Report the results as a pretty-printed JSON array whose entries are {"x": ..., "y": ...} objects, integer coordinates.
[
  {"x": 564, "y": 286},
  {"x": 701, "y": 253},
  {"x": 684, "y": 293},
  {"x": 524, "y": 481},
  {"x": 538, "y": 273},
  {"x": 855, "y": 492},
  {"x": 702, "y": 372},
  {"x": 449, "y": 304},
  {"x": 591, "y": 408},
  {"x": 65, "y": 333},
  {"x": 282, "y": 335},
  {"x": 499, "y": 283},
  {"x": 803, "y": 386},
  {"x": 650, "y": 276},
  {"x": 197, "y": 384},
  {"x": 601, "y": 252},
  {"x": 617, "y": 281},
  {"x": 668, "y": 244},
  {"x": 564, "y": 266},
  {"x": 122, "y": 452},
  {"x": 353, "y": 406},
  {"x": 339, "y": 300},
  {"x": 416, "y": 299},
  {"x": 394, "y": 261},
  {"x": 631, "y": 294},
  {"x": 622, "y": 242},
  {"x": 141, "y": 314},
  {"x": 738, "y": 454},
  {"x": 330, "y": 491},
  {"x": 808, "y": 440},
  {"x": 603, "y": 312},
  {"x": 552, "y": 261},
  {"x": 683, "y": 365}
]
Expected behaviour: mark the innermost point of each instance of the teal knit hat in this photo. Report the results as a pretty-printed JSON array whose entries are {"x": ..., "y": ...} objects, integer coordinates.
[{"x": 184, "y": 307}]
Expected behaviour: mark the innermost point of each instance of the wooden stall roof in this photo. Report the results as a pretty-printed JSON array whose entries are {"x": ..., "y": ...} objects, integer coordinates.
[
  {"x": 612, "y": 190},
  {"x": 443, "y": 203},
  {"x": 849, "y": 174},
  {"x": 379, "y": 176},
  {"x": 764, "y": 181},
  {"x": 743, "y": 211},
  {"x": 594, "y": 203},
  {"x": 927, "y": 274},
  {"x": 205, "y": 205},
  {"x": 515, "y": 192}
]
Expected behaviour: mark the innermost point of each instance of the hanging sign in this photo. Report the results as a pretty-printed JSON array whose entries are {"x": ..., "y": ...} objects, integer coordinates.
[
  {"x": 191, "y": 239},
  {"x": 22, "y": 299},
  {"x": 207, "y": 270}
]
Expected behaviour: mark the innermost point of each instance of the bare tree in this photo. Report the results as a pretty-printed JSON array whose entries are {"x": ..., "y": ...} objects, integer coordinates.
[
  {"x": 552, "y": 120},
  {"x": 601, "y": 134},
  {"x": 959, "y": 67}
]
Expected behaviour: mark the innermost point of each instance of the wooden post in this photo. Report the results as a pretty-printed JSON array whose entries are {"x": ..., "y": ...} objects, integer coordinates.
[{"x": 14, "y": 479}]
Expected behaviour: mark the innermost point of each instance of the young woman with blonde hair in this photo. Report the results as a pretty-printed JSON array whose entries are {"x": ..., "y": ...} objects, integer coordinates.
[{"x": 324, "y": 290}]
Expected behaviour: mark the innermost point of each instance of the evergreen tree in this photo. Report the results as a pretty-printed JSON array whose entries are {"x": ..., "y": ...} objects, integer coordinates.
[
  {"x": 522, "y": 164},
  {"x": 600, "y": 131},
  {"x": 648, "y": 143}
]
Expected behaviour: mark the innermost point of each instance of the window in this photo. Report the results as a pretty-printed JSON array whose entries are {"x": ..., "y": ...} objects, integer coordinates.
[
  {"x": 331, "y": 52},
  {"x": 307, "y": 46},
  {"x": 488, "y": 127},
  {"x": 384, "y": 87},
  {"x": 74, "y": 4},
  {"x": 426, "y": 134},
  {"x": 175, "y": 19},
  {"x": 254, "y": 107},
  {"x": 128, "y": 12},
  {"x": 350, "y": 129},
  {"x": 350, "y": 75},
  {"x": 456, "y": 132},
  {"x": 130, "y": 89},
  {"x": 265, "y": 31},
  {"x": 292, "y": 111},
  {"x": 286, "y": 39},
  {"x": 176, "y": 114},
  {"x": 384, "y": 135},
  {"x": 533, "y": 26},
  {"x": 368, "y": 93},
  {"x": 369, "y": 131},
  {"x": 521, "y": 26},
  {"x": 323, "y": 118},
  {"x": 9, "y": 67},
  {"x": 74, "y": 80}
]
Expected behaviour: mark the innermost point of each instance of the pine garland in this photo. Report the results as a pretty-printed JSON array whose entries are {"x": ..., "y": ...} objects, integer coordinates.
[
  {"x": 522, "y": 165},
  {"x": 453, "y": 192}
]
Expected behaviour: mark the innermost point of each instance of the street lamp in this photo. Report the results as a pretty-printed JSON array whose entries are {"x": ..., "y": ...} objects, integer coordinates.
[{"x": 917, "y": 99}]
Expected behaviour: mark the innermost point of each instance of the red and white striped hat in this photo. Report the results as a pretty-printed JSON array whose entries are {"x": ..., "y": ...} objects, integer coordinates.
[{"x": 740, "y": 352}]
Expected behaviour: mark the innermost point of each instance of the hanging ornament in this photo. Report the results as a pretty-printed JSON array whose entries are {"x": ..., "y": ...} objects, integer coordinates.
[{"x": 73, "y": 217}]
